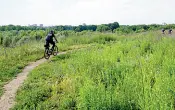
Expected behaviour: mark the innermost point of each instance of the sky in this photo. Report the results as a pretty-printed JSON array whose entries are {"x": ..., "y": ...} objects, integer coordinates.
[{"x": 77, "y": 12}]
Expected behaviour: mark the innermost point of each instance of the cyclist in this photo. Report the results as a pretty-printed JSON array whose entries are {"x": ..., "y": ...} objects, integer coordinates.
[
  {"x": 163, "y": 31},
  {"x": 170, "y": 31},
  {"x": 49, "y": 40}
]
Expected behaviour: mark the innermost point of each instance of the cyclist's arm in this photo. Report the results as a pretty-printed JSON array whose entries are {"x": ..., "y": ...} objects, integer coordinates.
[{"x": 55, "y": 38}]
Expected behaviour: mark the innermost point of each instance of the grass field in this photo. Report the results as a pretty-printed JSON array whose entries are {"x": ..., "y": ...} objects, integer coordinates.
[
  {"x": 14, "y": 59},
  {"x": 126, "y": 72}
]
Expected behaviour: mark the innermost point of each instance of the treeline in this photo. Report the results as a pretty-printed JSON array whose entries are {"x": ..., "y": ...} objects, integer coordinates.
[
  {"x": 111, "y": 27},
  {"x": 143, "y": 28},
  {"x": 103, "y": 27}
]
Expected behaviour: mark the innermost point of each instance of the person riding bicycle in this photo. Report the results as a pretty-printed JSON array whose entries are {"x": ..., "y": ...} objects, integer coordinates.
[
  {"x": 170, "y": 31},
  {"x": 49, "y": 39},
  {"x": 163, "y": 31}
]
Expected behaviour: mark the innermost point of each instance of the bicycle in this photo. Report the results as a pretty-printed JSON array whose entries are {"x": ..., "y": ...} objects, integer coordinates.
[{"x": 48, "y": 52}]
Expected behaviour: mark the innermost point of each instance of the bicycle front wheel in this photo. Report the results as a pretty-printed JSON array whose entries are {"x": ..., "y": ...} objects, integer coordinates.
[
  {"x": 55, "y": 51},
  {"x": 46, "y": 54}
]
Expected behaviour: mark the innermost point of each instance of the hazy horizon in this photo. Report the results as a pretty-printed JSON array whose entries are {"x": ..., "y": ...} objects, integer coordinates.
[
  {"x": 80, "y": 24},
  {"x": 77, "y": 12}
]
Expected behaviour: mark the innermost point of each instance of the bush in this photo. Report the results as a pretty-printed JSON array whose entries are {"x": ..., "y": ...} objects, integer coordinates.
[{"x": 7, "y": 41}]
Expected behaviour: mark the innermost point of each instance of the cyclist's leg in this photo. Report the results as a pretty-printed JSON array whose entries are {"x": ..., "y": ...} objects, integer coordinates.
[
  {"x": 53, "y": 44},
  {"x": 47, "y": 44}
]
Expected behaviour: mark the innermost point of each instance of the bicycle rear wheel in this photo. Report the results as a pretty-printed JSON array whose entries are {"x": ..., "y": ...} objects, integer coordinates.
[
  {"x": 46, "y": 54},
  {"x": 55, "y": 51}
]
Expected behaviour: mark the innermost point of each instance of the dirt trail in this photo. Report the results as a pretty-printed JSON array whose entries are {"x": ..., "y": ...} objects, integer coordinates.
[{"x": 7, "y": 99}]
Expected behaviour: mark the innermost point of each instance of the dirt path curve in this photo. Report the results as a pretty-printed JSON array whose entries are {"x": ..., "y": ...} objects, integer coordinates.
[{"x": 7, "y": 99}]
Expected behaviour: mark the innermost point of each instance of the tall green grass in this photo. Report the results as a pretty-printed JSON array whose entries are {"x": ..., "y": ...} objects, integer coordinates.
[
  {"x": 66, "y": 43},
  {"x": 132, "y": 73},
  {"x": 25, "y": 49},
  {"x": 13, "y": 60}
]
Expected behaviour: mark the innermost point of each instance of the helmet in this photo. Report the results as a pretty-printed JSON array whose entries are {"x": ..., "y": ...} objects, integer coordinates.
[{"x": 52, "y": 32}]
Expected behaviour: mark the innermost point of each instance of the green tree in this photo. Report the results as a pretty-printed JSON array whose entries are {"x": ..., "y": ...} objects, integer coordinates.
[
  {"x": 102, "y": 28},
  {"x": 113, "y": 26}
]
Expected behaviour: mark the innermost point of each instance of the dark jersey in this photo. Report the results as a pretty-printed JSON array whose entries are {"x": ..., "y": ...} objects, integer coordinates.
[{"x": 49, "y": 37}]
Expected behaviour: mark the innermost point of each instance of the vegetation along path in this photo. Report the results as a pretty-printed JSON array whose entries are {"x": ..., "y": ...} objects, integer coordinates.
[{"x": 7, "y": 99}]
